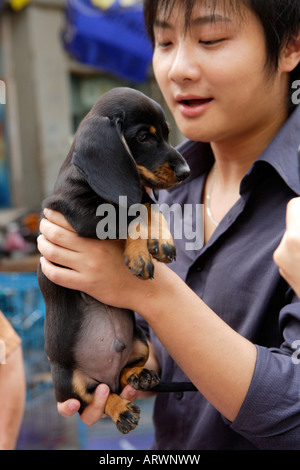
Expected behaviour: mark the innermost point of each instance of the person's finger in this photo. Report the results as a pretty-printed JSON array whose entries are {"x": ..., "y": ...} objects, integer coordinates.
[
  {"x": 59, "y": 235},
  {"x": 292, "y": 216},
  {"x": 57, "y": 218},
  {"x": 64, "y": 277},
  {"x": 129, "y": 393},
  {"x": 54, "y": 253},
  {"x": 95, "y": 410},
  {"x": 68, "y": 408}
]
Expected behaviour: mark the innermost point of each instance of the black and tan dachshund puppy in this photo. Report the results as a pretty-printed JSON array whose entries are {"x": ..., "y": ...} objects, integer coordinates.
[{"x": 120, "y": 148}]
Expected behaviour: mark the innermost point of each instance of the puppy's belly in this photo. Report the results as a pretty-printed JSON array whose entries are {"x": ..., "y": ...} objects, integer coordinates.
[{"x": 104, "y": 342}]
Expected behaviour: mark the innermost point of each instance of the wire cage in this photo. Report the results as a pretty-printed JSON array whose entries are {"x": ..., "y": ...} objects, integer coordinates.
[{"x": 22, "y": 304}]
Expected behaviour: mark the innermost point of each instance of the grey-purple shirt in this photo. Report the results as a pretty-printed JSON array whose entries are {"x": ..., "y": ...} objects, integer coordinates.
[{"x": 235, "y": 275}]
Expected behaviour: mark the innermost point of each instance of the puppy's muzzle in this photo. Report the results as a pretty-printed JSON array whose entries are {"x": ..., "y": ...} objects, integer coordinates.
[{"x": 182, "y": 172}]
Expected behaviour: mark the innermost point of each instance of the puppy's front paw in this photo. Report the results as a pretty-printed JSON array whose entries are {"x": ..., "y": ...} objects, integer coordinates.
[
  {"x": 140, "y": 265},
  {"x": 145, "y": 379},
  {"x": 162, "y": 250}
]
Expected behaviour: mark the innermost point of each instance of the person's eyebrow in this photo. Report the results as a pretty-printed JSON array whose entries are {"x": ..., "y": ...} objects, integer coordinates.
[
  {"x": 161, "y": 24},
  {"x": 198, "y": 21}
]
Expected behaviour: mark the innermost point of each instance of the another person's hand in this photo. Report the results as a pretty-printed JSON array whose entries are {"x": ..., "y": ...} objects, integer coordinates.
[{"x": 287, "y": 255}]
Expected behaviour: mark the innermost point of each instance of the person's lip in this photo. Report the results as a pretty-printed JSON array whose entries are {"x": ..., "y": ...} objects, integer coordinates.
[{"x": 192, "y": 105}]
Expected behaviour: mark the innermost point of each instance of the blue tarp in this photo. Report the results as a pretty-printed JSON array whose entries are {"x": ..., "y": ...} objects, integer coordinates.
[{"x": 112, "y": 40}]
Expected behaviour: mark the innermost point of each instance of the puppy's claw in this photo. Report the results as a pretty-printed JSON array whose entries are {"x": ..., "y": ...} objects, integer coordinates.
[
  {"x": 153, "y": 246},
  {"x": 169, "y": 251},
  {"x": 161, "y": 250}
]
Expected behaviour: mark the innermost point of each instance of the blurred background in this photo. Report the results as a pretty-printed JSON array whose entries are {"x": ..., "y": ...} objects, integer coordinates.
[{"x": 56, "y": 58}]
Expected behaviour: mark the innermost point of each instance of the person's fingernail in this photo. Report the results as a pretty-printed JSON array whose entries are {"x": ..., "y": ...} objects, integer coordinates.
[
  {"x": 46, "y": 212},
  {"x": 132, "y": 393},
  {"x": 103, "y": 390},
  {"x": 73, "y": 406}
]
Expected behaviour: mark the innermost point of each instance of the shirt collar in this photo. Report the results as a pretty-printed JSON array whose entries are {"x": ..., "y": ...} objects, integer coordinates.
[{"x": 281, "y": 154}]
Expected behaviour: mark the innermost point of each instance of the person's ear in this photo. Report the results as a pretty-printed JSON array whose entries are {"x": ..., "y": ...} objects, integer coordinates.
[{"x": 290, "y": 56}]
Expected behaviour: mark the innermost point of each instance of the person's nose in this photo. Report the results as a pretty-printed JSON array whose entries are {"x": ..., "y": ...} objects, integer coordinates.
[{"x": 185, "y": 65}]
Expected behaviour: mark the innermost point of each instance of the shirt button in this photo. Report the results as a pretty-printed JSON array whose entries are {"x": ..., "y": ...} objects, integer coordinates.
[
  {"x": 199, "y": 268},
  {"x": 179, "y": 395}
]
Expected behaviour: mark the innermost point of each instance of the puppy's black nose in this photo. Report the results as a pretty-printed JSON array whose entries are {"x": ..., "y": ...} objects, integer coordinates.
[{"x": 182, "y": 172}]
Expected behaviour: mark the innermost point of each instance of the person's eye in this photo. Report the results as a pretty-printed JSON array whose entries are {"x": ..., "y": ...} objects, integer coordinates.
[
  {"x": 164, "y": 44},
  {"x": 212, "y": 42},
  {"x": 162, "y": 40}
]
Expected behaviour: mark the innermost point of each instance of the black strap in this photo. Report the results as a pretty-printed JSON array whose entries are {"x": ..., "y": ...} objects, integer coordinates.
[{"x": 166, "y": 387}]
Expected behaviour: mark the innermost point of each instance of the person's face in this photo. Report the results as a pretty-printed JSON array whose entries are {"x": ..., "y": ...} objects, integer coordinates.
[{"x": 213, "y": 76}]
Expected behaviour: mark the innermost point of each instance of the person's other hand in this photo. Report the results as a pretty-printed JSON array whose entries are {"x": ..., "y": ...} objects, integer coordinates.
[{"x": 287, "y": 255}]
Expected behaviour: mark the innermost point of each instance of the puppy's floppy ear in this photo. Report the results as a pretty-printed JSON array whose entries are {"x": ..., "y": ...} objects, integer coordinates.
[{"x": 103, "y": 157}]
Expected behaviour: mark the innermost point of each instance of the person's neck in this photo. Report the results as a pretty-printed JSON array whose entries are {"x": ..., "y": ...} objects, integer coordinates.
[{"x": 235, "y": 157}]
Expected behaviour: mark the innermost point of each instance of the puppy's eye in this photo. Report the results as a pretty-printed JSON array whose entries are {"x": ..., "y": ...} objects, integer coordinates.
[{"x": 143, "y": 136}]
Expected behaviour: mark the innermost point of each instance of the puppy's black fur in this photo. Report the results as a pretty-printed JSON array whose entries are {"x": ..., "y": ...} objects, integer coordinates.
[{"x": 120, "y": 148}]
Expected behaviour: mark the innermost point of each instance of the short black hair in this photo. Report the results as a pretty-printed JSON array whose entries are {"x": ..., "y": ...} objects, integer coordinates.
[{"x": 280, "y": 20}]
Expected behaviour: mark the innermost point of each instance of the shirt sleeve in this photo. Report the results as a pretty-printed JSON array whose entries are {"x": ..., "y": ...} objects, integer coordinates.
[
  {"x": 9, "y": 339},
  {"x": 270, "y": 414}
]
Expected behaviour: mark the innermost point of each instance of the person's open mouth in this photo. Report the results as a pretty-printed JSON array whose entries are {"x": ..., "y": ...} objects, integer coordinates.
[
  {"x": 193, "y": 106},
  {"x": 196, "y": 102}
]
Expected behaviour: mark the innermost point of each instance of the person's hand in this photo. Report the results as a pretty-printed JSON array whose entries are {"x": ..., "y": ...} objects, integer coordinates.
[
  {"x": 287, "y": 255},
  {"x": 95, "y": 410},
  {"x": 90, "y": 265}
]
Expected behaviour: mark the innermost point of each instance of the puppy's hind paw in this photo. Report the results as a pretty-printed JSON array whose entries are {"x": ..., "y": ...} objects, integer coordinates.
[
  {"x": 128, "y": 419},
  {"x": 144, "y": 380}
]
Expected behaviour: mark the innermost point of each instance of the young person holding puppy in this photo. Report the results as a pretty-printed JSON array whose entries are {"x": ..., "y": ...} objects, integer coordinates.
[{"x": 221, "y": 316}]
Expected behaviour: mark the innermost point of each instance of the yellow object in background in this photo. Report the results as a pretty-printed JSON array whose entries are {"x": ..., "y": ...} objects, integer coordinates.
[
  {"x": 103, "y": 4},
  {"x": 18, "y": 4}
]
